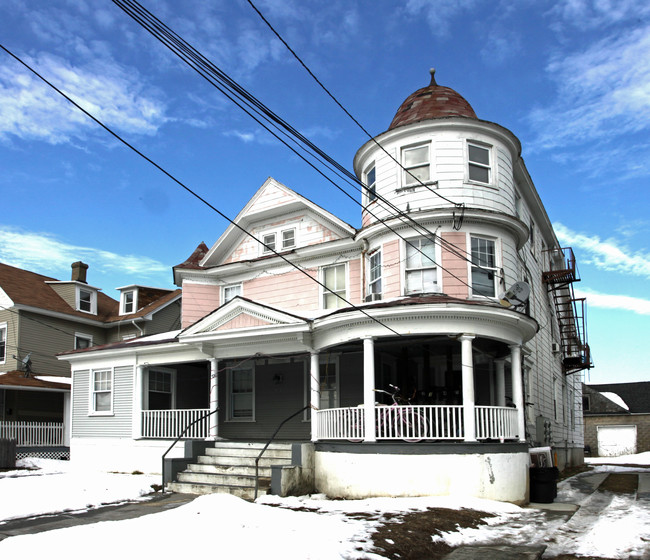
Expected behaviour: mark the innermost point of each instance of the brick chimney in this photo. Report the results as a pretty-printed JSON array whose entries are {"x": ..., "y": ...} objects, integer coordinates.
[{"x": 79, "y": 272}]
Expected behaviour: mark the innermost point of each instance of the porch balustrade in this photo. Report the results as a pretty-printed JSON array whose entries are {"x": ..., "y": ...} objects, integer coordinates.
[
  {"x": 33, "y": 434},
  {"x": 418, "y": 422},
  {"x": 170, "y": 423}
]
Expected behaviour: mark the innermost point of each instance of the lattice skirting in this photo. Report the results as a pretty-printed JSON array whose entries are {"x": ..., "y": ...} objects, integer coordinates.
[{"x": 60, "y": 453}]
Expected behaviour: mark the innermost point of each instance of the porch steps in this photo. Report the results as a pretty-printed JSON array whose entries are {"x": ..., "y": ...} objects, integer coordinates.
[{"x": 229, "y": 467}]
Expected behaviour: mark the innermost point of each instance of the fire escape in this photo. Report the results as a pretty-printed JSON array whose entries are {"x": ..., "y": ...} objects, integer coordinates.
[{"x": 569, "y": 310}]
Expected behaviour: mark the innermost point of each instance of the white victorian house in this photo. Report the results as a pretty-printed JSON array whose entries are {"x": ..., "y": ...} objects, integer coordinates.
[{"x": 295, "y": 315}]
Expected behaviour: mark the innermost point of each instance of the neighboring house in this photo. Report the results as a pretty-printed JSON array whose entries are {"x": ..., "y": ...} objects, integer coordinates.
[
  {"x": 42, "y": 316},
  {"x": 293, "y": 308},
  {"x": 617, "y": 418}
]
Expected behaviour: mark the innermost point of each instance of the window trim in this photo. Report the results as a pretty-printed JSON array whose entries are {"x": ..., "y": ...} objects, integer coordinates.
[
  {"x": 489, "y": 166},
  {"x": 436, "y": 265},
  {"x": 239, "y": 285},
  {"x": 93, "y": 300},
  {"x": 123, "y": 302},
  {"x": 282, "y": 232},
  {"x": 371, "y": 188},
  {"x": 495, "y": 268},
  {"x": 371, "y": 295},
  {"x": 172, "y": 386},
  {"x": 325, "y": 292},
  {"x": 278, "y": 239},
  {"x": 92, "y": 404},
  {"x": 266, "y": 243},
  {"x": 230, "y": 407},
  {"x": 3, "y": 341},
  {"x": 84, "y": 336},
  {"x": 328, "y": 360},
  {"x": 407, "y": 181}
]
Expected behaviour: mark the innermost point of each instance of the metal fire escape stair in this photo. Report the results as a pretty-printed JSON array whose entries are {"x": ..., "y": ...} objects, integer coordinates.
[{"x": 569, "y": 310}]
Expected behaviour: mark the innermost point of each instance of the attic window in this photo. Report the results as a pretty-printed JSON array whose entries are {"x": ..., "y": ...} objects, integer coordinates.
[
  {"x": 86, "y": 300},
  {"x": 269, "y": 242},
  {"x": 288, "y": 238},
  {"x": 129, "y": 300}
]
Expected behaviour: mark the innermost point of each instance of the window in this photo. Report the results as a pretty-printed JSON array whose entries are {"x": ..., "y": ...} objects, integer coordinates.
[
  {"x": 230, "y": 292},
  {"x": 329, "y": 385},
  {"x": 288, "y": 238},
  {"x": 371, "y": 184},
  {"x": 269, "y": 242},
  {"x": 415, "y": 161},
  {"x": 82, "y": 341},
  {"x": 374, "y": 276},
  {"x": 479, "y": 163},
  {"x": 421, "y": 269},
  {"x": 334, "y": 280},
  {"x": 86, "y": 300},
  {"x": 483, "y": 267},
  {"x": 160, "y": 390},
  {"x": 241, "y": 394},
  {"x": 128, "y": 302},
  {"x": 102, "y": 391},
  {"x": 3, "y": 342},
  {"x": 532, "y": 237}
]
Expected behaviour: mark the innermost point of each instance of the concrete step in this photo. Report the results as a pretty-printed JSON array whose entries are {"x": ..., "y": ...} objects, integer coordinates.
[
  {"x": 242, "y": 461},
  {"x": 221, "y": 451},
  {"x": 229, "y": 469},
  {"x": 220, "y": 479},
  {"x": 244, "y": 492}
]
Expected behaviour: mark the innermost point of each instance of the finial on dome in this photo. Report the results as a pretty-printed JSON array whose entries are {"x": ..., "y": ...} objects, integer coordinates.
[{"x": 432, "y": 71}]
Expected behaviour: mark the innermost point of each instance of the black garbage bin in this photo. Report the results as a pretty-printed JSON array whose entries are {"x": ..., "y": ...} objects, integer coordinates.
[{"x": 543, "y": 484}]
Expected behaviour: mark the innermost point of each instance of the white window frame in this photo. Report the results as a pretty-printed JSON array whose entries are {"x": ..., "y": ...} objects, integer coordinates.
[
  {"x": 3, "y": 342},
  {"x": 286, "y": 245},
  {"x": 372, "y": 294},
  {"x": 231, "y": 287},
  {"x": 326, "y": 294},
  {"x": 474, "y": 163},
  {"x": 123, "y": 302},
  {"x": 415, "y": 244},
  {"x": 231, "y": 405},
  {"x": 83, "y": 336},
  {"x": 269, "y": 242},
  {"x": 172, "y": 386},
  {"x": 371, "y": 185},
  {"x": 93, "y": 300},
  {"x": 407, "y": 179},
  {"x": 93, "y": 392},
  {"x": 276, "y": 238},
  {"x": 481, "y": 267},
  {"x": 327, "y": 361}
]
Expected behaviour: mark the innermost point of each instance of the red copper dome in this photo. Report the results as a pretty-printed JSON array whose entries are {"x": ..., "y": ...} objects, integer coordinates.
[{"x": 432, "y": 102}]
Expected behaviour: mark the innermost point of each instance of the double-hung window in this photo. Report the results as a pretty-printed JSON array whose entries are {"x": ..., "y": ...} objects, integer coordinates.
[
  {"x": 160, "y": 390},
  {"x": 329, "y": 384},
  {"x": 479, "y": 163},
  {"x": 334, "y": 281},
  {"x": 242, "y": 396},
  {"x": 230, "y": 292},
  {"x": 421, "y": 268},
  {"x": 484, "y": 269},
  {"x": 3, "y": 342},
  {"x": 269, "y": 242},
  {"x": 102, "y": 391},
  {"x": 371, "y": 187},
  {"x": 86, "y": 300},
  {"x": 415, "y": 164},
  {"x": 374, "y": 276},
  {"x": 128, "y": 302},
  {"x": 288, "y": 238}
]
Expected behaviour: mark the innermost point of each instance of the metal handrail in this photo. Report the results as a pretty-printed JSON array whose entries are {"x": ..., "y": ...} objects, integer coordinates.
[
  {"x": 177, "y": 440},
  {"x": 257, "y": 460}
]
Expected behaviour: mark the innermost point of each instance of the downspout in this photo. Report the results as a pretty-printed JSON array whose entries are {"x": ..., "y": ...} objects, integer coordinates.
[{"x": 136, "y": 326}]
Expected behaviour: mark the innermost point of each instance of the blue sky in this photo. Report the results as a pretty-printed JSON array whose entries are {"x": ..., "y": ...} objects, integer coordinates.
[{"x": 571, "y": 79}]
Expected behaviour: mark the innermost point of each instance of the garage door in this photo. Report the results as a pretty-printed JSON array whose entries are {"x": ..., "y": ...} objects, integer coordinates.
[{"x": 616, "y": 440}]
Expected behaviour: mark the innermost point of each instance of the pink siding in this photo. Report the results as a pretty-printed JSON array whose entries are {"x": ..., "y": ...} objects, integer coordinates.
[
  {"x": 391, "y": 275},
  {"x": 198, "y": 301},
  {"x": 454, "y": 273},
  {"x": 355, "y": 288},
  {"x": 242, "y": 321},
  {"x": 290, "y": 291}
]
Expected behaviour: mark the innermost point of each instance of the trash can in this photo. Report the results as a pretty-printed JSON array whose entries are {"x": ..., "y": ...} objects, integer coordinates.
[{"x": 543, "y": 484}]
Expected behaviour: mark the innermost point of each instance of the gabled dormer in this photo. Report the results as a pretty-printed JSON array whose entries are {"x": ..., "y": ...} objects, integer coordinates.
[
  {"x": 77, "y": 293},
  {"x": 134, "y": 297}
]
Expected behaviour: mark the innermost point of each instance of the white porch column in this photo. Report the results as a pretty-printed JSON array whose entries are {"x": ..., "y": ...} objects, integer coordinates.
[
  {"x": 314, "y": 393},
  {"x": 500, "y": 370},
  {"x": 469, "y": 402},
  {"x": 67, "y": 419},
  {"x": 138, "y": 382},
  {"x": 369, "y": 389},
  {"x": 213, "y": 432},
  {"x": 518, "y": 389}
]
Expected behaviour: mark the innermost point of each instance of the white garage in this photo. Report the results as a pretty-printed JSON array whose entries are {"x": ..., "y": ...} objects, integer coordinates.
[{"x": 614, "y": 441}]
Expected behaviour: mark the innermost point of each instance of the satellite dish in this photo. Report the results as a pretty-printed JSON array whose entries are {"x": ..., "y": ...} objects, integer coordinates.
[{"x": 516, "y": 295}]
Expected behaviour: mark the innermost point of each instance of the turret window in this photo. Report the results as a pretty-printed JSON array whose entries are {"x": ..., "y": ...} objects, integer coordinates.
[
  {"x": 483, "y": 267},
  {"x": 374, "y": 277},
  {"x": 421, "y": 268},
  {"x": 479, "y": 163},
  {"x": 371, "y": 184},
  {"x": 415, "y": 162}
]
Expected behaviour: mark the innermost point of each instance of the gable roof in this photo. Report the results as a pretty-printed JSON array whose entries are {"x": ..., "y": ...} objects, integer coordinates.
[
  {"x": 635, "y": 395},
  {"x": 272, "y": 200}
]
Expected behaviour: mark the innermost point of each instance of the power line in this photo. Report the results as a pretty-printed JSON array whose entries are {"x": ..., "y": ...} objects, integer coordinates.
[{"x": 190, "y": 191}]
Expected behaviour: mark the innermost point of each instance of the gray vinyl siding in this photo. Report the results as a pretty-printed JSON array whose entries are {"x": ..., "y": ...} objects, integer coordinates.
[
  {"x": 11, "y": 342},
  {"x": 167, "y": 319},
  {"x": 119, "y": 424},
  {"x": 67, "y": 292}
]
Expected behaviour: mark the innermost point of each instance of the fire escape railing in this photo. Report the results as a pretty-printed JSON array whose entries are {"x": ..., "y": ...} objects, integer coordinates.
[{"x": 569, "y": 310}]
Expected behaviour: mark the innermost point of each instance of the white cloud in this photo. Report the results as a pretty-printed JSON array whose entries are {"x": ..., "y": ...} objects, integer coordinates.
[
  {"x": 31, "y": 110},
  {"x": 45, "y": 254},
  {"x": 439, "y": 13},
  {"x": 599, "y": 13},
  {"x": 606, "y": 255},
  {"x": 613, "y": 301}
]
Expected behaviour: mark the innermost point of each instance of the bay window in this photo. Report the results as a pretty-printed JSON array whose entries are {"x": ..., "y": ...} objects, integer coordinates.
[
  {"x": 374, "y": 276},
  {"x": 421, "y": 268}
]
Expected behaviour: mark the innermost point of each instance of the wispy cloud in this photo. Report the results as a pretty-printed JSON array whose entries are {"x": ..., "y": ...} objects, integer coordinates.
[
  {"x": 45, "y": 254},
  {"x": 613, "y": 301},
  {"x": 606, "y": 254},
  {"x": 31, "y": 110},
  {"x": 596, "y": 14},
  {"x": 439, "y": 13}
]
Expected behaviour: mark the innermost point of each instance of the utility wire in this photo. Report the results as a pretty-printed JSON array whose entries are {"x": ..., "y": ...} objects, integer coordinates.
[
  {"x": 210, "y": 72},
  {"x": 190, "y": 191}
]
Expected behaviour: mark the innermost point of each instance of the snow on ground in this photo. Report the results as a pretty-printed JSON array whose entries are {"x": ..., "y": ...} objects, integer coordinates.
[{"x": 611, "y": 525}]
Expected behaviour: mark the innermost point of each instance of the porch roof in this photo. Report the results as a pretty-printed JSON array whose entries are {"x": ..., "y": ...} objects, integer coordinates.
[{"x": 17, "y": 380}]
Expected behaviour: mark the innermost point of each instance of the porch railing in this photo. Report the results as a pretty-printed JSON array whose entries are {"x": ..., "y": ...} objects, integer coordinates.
[
  {"x": 33, "y": 434},
  {"x": 418, "y": 422},
  {"x": 168, "y": 424}
]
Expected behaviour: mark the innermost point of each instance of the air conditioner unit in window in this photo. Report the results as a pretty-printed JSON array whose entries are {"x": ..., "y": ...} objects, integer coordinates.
[
  {"x": 555, "y": 347},
  {"x": 373, "y": 297}
]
